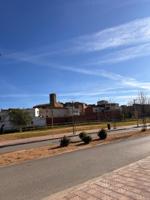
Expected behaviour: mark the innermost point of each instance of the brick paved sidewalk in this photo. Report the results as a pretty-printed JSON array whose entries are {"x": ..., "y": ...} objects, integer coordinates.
[{"x": 131, "y": 182}]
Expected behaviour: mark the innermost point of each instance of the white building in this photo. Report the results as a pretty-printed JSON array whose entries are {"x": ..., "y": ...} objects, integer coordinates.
[
  {"x": 58, "y": 112},
  {"x": 53, "y": 109},
  {"x": 34, "y": 113},
  {"x": 52, "y": 112},
  {"x": 4, "y": 120}
]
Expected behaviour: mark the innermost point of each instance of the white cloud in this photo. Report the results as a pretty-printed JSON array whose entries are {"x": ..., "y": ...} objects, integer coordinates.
[
  {"x": 116, "y": 57},
  {"x": 85, "y": 94},
  {"x": 126, "y": 81},
  {"x": 134, "y": 32},
  {"x": 20, "y": 95},
  {"x": 6, "y": 85},
  {"x": 122, "y": 55},
  {"x": 107, "y": 91},
  {"x": 94, "y": 92}
]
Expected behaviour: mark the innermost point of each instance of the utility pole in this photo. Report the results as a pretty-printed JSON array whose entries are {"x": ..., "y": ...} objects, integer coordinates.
[
  {"x": 52, "y": 118},
  {"x": 136, "y": 113},
  {"x": 73, "y": 119}
]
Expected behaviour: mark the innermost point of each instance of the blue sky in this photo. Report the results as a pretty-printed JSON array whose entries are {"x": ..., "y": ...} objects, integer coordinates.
[{"x": 84, "y": 50}]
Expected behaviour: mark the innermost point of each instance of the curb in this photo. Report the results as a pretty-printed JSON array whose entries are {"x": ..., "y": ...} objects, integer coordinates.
[
  {"x": 61, "y": 194},
  {"x": 56, "y": 138}
]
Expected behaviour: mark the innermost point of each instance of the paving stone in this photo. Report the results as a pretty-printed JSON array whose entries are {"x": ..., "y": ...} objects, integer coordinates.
[{"x": 131, "y": 182}]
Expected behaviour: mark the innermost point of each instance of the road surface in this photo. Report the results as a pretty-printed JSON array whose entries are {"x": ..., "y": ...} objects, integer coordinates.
[{"x": 34, "y": 180}]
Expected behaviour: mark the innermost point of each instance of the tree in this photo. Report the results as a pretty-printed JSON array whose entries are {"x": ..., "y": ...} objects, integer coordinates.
[
  {"x": 19, "y": 118},
  {"x": 143, "y": 100},
  {"x": 140, "y": 108},
  {"x": 141, "y": 105},
  {"x": 135, "y": 111}
]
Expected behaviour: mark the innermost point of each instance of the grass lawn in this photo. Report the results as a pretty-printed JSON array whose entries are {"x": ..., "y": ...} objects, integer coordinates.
[{"x": 60, "y": 130}]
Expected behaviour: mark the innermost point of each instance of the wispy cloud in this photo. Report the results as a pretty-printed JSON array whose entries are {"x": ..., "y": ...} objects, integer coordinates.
[
  {"x": 132, "y": 37},
  {"x": 18, "y": 95},
  {"x": 94, "y": 92},
  {"x": 4, "y": 84},
  {"x": 107, "y": 91},
  {"x": 73, "y": 94},
  {"x": 122, "y": 55},
  {"x": 126, "y": 81},
  {"x": 134, "y": 32}
]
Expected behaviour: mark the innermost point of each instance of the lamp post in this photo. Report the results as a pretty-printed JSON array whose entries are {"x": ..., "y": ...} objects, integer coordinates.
[
  {"x": 136, "y": 112},
  {"x": 52, "y": 117},
  {"x": 73, "y": 119}
]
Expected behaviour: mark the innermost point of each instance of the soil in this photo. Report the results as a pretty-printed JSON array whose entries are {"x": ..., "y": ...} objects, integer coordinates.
[{"x": 53, "y": 150}]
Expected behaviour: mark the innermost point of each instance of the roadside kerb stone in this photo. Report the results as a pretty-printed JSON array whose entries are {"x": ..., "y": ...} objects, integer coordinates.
[
  {"x": 52, "y": 137},
  {"x": 131, "y": 182}
]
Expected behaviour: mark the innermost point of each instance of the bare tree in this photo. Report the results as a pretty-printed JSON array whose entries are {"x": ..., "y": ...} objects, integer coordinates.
[
  {"x": 142, "y": 101},
  {"x": 136, "y": 111},
  {"x": 73, "y": 119},
  {"x": 140, "y": 108}
]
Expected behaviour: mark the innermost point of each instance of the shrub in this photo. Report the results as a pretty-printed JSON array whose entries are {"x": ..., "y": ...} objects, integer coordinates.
[
  {"x": 65, "y": 141},
  {"x": 87, "y": 139},
  {"x": 82, "y": 135},
  {"x": 143, "y": 129},
  {"x": 102, "y": 134}
]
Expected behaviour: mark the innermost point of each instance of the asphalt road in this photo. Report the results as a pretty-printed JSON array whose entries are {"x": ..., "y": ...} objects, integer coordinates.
[
  {"x": 34, "y": 180},
  {"x": 56, "y": 141}
]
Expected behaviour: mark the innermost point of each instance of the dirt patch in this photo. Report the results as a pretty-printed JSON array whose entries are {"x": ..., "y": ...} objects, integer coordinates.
[{"x": 53, "y": 150}]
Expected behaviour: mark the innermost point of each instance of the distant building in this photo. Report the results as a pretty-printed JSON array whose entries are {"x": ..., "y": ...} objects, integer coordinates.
[
  {"x": 102, "y": 102},
  {"x": 105, "y": 105},
  {"x": 104, "y": 111},
  {"x": 55, "y": 112},
  {"x": 7, "y": 125},
  {"x": 52, "y": 103},
  {"x": 55, "y": 109},
  {"x": 52, "y": 109},
  {"x": 78, "y": 107},
  {"x": 136, "y": 110}
]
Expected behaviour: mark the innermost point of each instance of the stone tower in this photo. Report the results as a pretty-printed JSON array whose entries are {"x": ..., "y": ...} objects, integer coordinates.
[{"x": 53, "y": 101}]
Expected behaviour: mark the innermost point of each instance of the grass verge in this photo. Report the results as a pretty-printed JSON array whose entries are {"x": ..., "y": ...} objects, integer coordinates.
[
  {"x": 53, "y": 150},
  {"x": 54, "y": 131}
]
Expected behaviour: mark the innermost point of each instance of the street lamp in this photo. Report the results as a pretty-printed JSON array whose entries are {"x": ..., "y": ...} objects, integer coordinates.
[
  {"x": 136, "y": 112},
  {"x": 52, "y": 117},
  {"x": 73, "y": 119}
]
